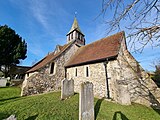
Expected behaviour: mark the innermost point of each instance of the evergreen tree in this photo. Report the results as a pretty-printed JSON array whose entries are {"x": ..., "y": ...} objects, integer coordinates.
[{"x": 12, "y": 49}]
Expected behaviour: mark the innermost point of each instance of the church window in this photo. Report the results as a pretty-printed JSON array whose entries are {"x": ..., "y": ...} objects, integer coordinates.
[
  {"x": 78, "y": 36},
  {"x": 67, "y": 75},
  {"x": 71, "y": 35},
  {"x": 87, "y": 72},
  {"x": 52, "y": 68},
  {"x": 68, "y": 37},
  {"x": 75, "y": 72}
]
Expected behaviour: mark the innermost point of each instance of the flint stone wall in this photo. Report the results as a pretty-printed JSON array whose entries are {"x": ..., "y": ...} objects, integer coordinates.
[
  {"x": 96, "y": 76},
  {"x": 41, "y": 81}
]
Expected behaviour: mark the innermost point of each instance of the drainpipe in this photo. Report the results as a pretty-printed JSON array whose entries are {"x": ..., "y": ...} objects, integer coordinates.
[{"x": 107, "y": 84}]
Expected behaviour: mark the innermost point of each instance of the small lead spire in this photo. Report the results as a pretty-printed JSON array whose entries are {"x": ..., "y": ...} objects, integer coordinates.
[{"x": 75, "y": 26}]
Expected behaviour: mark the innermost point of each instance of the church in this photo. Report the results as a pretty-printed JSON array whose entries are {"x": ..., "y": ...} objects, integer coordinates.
[{"x": 107, "y": 63}]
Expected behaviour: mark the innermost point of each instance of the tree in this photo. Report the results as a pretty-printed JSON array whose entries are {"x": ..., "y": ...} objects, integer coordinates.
[
  {"x": 156, "y": 76},
  {"x": 12, "y": 49},
  {"x": 139, "y": 18}
]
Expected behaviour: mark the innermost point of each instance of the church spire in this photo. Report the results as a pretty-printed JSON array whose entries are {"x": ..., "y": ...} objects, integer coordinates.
[
  {"x": 75, "y": 33},
  {"x": 75, "y": 26}
]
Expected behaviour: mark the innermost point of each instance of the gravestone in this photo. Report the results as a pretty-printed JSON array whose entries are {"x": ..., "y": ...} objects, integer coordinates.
[
  {"x": 67, "y": 88},
  {"x": 3, "y": 82},
  {"x": 124, "y": 96},
  {"x": 86, "y": 102}
]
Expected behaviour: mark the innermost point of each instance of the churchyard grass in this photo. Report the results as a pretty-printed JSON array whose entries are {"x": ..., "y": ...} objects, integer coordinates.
[{"x": 50, "y": 107}]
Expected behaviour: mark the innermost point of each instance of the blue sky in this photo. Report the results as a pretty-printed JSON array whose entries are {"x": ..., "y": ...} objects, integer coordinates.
[{"x": 45, "y": 23}]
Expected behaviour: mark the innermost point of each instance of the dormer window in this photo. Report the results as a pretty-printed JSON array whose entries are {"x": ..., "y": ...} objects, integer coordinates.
[{"x": 57, "y": 50}]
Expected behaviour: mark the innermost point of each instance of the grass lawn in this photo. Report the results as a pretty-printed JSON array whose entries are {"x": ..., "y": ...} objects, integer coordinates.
[{"x": 50, "y": 107}]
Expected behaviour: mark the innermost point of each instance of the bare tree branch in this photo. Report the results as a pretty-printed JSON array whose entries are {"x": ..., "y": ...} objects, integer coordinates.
[{"x": 140, "y": 18}]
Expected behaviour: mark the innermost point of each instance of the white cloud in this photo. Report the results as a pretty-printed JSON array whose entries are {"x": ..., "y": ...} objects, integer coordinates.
[
  {"x": 47, "y": 13},
  {"x": 39, "y": 12}
]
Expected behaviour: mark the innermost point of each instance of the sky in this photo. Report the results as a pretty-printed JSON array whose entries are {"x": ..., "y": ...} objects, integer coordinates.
[{"x": 44, "y": 24}]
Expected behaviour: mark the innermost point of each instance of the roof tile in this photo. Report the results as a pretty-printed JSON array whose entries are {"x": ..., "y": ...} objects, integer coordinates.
[{"x": 101, "y": 49}]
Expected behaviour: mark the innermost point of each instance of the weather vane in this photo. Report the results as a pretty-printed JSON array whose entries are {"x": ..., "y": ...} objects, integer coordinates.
[{"x": 75, "y": 14}]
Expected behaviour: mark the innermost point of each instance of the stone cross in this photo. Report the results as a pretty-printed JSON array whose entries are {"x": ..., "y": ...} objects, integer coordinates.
[
  {"x": 67, "y": 88},
  {"x": 86, "y": 102}
]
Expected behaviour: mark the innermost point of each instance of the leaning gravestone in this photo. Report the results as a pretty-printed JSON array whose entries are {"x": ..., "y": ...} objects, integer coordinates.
[
  {"x": 67, "y": 89},
  {"x": 86, "y": 102}
]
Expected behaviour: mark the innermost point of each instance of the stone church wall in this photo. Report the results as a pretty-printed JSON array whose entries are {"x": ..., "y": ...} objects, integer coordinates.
[
  {"x": 142, "y": 89},
  {"x": 124, "y": 71},
  {"x": 128, "y": 72},
  {"x": 42, "y": 81},
  {"x": 96, "y": 75}
]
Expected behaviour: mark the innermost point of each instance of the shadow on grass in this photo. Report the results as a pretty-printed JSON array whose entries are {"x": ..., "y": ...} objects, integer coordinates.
[
  {"x": 32, "y": 117},
  {"x": 14, "y": 99},
  {"x": 155, "y": 104},
  {"x": 3, "y": 116},
  {"x": 157, "y": 110},
  {"x": 119, "y": 116},
  {"x": 97, "y": 107},
  {"x": 1, "y": 100}
]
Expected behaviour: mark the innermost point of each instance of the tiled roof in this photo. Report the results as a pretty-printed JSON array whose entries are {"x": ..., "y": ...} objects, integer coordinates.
[
  {"x": 49, "y": 58},
  {"x": 99, "y": 50}
]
